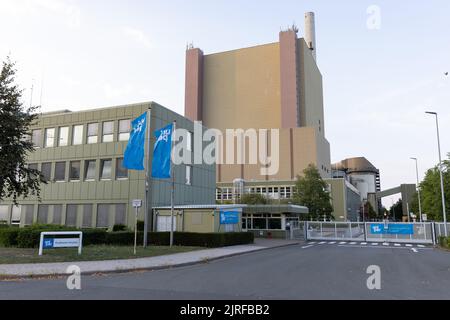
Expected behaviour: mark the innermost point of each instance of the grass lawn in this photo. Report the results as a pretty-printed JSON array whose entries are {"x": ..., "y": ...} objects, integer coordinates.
[{"x": 90, "y": 253}]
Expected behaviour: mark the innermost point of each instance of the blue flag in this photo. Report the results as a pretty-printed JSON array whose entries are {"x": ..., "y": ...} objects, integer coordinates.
[
  {"x": 134, "y": 154},
  {"x": 162, "y": 153}
]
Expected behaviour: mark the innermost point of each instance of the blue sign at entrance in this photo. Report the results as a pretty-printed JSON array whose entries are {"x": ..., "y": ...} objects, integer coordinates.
[
  {"x": 400, "y": 229},
  {"x": 229, "y": 217}
]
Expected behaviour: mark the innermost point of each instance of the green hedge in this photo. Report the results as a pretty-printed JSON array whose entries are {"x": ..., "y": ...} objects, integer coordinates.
[
  {"x": 444, "y": 242},
  {"x": 29, "y": 237},
  {"x": 8, "y": 237}
]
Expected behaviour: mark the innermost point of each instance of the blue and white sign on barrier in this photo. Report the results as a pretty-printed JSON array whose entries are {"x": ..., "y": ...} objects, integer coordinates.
[
  {"x": 394, "y": 229},
  {"x": 229, "y": 217}
]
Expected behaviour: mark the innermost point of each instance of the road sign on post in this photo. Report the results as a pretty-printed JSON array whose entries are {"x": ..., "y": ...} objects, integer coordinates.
[{"x": 136, "y": 204}]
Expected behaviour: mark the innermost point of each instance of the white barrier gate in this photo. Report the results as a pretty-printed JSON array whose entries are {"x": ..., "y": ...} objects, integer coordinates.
[{"x": 423, "y": 233}]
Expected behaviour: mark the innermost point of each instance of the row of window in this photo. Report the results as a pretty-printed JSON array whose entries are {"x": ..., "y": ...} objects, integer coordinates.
[
  {"x": 59, "y": 170},
  {"x": 223, "y": 194},
  {"x": 60, "y": 137},
  {"x": 54, "y": 214}
]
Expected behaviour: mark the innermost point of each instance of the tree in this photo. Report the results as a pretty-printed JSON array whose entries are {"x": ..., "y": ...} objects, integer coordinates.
[
  {"x": 254, "y": 199},
  {"x": 311, "y": 191},
  {"x": 431, "y": 193},
  {"x": 371, "y": 213},
  {"x": 16, "y": 179},
  {"x": 397, "y": 210}
]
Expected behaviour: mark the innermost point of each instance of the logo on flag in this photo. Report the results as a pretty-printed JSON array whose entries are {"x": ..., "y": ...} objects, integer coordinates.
[
  {"x": 161, "y": 164},
  {"x": 135, "y": 152}
]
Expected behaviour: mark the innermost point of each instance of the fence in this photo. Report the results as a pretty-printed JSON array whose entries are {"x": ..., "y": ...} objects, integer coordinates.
[
  {"x": 369, "y": 231},
  {"x": 335, "y": 231},
  {"x": 440, "y": 230}
]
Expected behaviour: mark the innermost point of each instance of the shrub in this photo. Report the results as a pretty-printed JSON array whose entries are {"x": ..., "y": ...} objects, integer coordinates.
[
  {"x": 29, "y": 237},
  {"x": 444, "y": 242},
  {"x": 120, "y": 227},
  {"x": 8, "y": 237},
  {"x": 140, "y": 225},
  {"x": 94, "y": 237}
]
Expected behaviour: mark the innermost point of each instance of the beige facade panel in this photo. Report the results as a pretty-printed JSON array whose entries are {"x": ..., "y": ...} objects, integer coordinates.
[
  {"x": 312, "y": 114},
  {"x": 242, "y": 88}
]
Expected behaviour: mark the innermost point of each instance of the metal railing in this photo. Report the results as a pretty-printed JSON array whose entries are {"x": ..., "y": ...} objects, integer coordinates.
[
  {"x": 439, "y": 229},
  {"x": 335, "y": 231},
  {"x": 368, "y": 231}
]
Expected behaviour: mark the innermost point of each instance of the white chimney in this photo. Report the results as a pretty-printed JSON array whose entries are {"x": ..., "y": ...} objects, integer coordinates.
[{"x": 310, "y": 32}]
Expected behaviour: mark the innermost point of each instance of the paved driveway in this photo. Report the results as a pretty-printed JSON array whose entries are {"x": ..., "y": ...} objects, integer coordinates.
[{"x": 320, "y": 270}]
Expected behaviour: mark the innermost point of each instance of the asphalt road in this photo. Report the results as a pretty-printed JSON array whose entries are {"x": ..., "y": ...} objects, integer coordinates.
[{"x": 290, "y": 273}]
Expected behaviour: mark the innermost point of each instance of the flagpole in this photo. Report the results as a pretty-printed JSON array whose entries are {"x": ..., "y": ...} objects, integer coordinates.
[
  {"x": 172, "y": 194},
  {"x": 147, "y": 179}
]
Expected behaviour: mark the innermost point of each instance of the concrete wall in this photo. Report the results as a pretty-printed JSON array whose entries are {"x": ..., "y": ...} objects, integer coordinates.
[
  {"x": 345, "y": 199},
  {"x": 311, "y": 92},
  {"x": 197, "y": 220},
  {"x": 298, "y": 148}
]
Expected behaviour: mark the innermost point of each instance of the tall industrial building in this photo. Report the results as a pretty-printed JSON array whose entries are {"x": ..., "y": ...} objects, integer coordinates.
[{"x": 270, "y": 86}]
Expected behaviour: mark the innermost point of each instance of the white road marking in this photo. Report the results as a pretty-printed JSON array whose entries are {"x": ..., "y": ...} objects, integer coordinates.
[
  {"x": 364, "y": 243},
  {"x": 352, "y": 243},
  {"x": 307, "y": 247},
  {"x": 343, "y": 243},
  {"x": 375, "y": 244},
  {"x": 397, "y": 245},
  {"x": 386, "y": 244},
  {"x": 409, "y": 245},
  {"x": 322, "y": 243},
  {"x": 415, "y": 250},
  {"x": 332, "y": 242},
  {"x": 421, "y": 246}
]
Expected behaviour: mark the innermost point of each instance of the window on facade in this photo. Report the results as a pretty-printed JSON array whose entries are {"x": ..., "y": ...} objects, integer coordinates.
[
  {"x": 29, "y": 212},
  {"x": 274, "y": 224},
  {"x": 33, "y": 166},
  {"x": 103, "y": 215},
  {"x": 124, "y": 130},
  {"x": 189, "y": 142},
  {"x": 16, "y": 214},
  {"x": 189, "y": 175},
  {"x": 74, "y": 174},
  {"x": 90, "y": 170},
  {"x": 46, "y": 171},
  {"x": 71, "y": 215},
  {"x": 4, "y": 214},
  {"x": 121, "y": 172},
  {"x": 106, "y": 169},
  {"x": 63, "y": 137},
  {"x": 57, "y": 214},
  {"x": 120, "y": 217},
  {"x": 60, "y": 171},
  {"x": 37, "y": 138},
  {"x": 77, "y": 135},
  {"x": 260, "y": 223},
  {"x": 42, "y": 214},
  {"x": 108, "y": 131},
  {"x": 92, "y": 134},
  {"x": 87, "y": 215},
  {"x": 49, "y": 138}
]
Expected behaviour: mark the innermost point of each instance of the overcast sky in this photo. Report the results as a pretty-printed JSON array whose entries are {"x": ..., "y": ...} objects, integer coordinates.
[{"x": 378, "y": 82}]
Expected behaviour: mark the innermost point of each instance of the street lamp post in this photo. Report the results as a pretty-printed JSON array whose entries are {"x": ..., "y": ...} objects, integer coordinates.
[
  {"x": 418, "y": 188},
  {"x": 440, "y": 171}
]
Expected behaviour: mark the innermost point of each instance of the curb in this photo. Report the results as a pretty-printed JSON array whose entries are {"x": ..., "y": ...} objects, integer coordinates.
[{"x": 130, "y": 270}]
